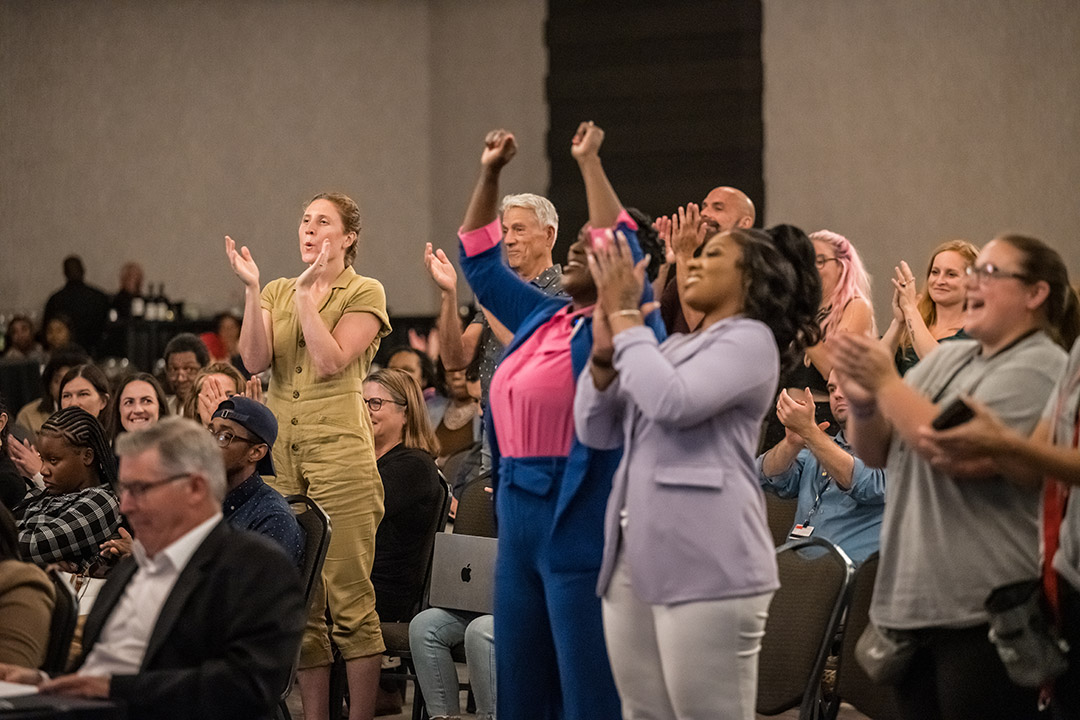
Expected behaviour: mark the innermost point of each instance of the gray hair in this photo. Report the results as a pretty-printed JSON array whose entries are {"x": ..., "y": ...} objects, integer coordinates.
[
  {"x": 541, "y": 207},
  {"x": 184, "y": 447}
]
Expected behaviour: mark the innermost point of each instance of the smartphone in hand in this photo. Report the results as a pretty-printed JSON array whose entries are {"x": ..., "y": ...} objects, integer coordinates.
[{"x": 955, "y": 413}]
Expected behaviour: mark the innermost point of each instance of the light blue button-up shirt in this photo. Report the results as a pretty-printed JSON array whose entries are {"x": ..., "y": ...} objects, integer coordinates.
[{"x": 848, "y": 518}]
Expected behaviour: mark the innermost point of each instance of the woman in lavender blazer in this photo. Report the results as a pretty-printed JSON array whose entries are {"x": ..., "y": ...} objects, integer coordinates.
[{"x": 689, "y": 568}]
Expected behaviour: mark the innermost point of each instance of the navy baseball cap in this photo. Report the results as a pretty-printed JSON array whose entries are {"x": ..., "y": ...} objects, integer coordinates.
[{"x": 257, "y": 419}]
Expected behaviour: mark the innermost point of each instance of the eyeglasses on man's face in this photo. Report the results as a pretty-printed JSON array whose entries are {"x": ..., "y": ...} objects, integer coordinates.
[
  {"x": 990, "y": 271},
  {"x": 137, "y": 488},
  {"x": 224, "y": 438},
  {"x": 377, "y": 403}
]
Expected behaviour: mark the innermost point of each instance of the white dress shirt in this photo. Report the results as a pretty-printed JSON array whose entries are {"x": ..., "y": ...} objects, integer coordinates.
[{"x": 122, "y": 644}]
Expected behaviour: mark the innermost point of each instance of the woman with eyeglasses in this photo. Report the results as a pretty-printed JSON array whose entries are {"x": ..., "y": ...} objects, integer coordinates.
[
  {"x": 318, "y": 333},
  {"x": 920, "y": 322},
  {"x": 845, "y": 308},
  {"x": 405, "y": 447},
  {"x": 947, "y": 542}
]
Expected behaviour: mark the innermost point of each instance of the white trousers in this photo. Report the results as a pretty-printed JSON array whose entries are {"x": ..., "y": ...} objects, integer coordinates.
[{"x": 691, "y": 661}]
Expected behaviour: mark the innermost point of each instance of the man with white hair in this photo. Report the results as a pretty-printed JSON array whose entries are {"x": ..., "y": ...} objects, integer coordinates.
[
  {"x": 203, "y": 620},
  {"x": 530, "y": 226}
]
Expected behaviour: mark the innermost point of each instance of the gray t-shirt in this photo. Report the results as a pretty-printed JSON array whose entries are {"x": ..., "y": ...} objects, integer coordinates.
[
  {"x": 945, "y": 543},
  {"x": 1065, "y": 402}
]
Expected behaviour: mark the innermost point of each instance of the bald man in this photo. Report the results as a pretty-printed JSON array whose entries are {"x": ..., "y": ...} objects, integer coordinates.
[{"x": 723, "y": 209}]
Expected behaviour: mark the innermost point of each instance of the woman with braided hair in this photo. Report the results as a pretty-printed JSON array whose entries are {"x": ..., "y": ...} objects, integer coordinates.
[{"x": 76, "y": 511}]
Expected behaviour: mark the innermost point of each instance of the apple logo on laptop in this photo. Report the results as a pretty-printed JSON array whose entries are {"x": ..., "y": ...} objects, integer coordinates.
[{"x": 466, "y": 573}]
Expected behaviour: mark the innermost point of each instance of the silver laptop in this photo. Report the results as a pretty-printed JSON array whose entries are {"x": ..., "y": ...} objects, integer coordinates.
[{"x": 463, "y": 573}]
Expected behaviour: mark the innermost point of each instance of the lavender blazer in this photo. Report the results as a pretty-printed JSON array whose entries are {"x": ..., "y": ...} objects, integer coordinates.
[{"x": 689, "y": 412}]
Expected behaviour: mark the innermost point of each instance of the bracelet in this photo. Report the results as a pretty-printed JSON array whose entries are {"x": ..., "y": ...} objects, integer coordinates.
[
  {"x": 604, "y": 364},
  {"x": 624, "y": 313}
]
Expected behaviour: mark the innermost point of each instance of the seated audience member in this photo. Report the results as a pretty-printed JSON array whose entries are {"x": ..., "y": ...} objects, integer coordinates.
[
  {"x": 920, "y": 322},
  {"x": 845, "y": 307},
  {"x": 87, "y": 387},
  {"x": 421, "y": 369},
  {"x": 76, "y": 511},
  {"x": 128, "y": 300},
  {"x": 840, "y": 498},
  {"x": 33, "y": 414},
  {"x": 12, "y": 482},
  {"x": 214, "y": 383},
  {"x": 26, "y": 602},
  {"x": 245, "y": 431},
  {"x": 405, "y": 447},
  {"x": 223, "y": 342},
  {"x": 947, "y": 541},
  {"x": 139, "y": 403},
  {"x": 185, "y": 356},
  {"x": 20, "y": 342},
  {"x": 433, "y": 634},
  {"x": 459, "y": 426},
  {"x": 723, "y": 209},
  {"x": 59, "y": 334},
  {"x": 85, "y": 307},
  {"x": 204, "y": 621}
]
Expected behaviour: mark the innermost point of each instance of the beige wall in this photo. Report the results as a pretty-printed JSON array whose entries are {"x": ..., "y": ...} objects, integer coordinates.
[
  {"x": 148, "y": 130},
  {"x": 903, "y": 123}
]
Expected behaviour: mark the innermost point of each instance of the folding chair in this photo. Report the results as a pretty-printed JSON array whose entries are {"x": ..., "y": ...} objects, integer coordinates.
[
  {"x": 315, "y": 524},
  {"x": 780, "y": 512},
  {"x": 65, "y": 617},
  {"x": 852, "y": 684},
  {"x": 475, "y": 510},
  {"x": 803, "y": 620}
]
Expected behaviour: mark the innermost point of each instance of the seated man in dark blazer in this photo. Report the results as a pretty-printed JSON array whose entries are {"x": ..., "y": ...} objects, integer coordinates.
[{"x": 204, "y": 620}]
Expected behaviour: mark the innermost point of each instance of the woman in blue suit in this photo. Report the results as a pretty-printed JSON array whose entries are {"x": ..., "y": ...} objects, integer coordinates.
[{"x": 550, "y": 489}]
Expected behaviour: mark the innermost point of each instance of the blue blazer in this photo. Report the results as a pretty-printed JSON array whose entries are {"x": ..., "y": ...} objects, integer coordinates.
[{"x": 577, "y": 535}]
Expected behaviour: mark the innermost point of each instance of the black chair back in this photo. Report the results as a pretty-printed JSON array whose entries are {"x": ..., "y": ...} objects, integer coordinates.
[
  {"x": 62, "y": 627},
  {"x": 781, "y": 516},
  {"x": 315, "y": 524},
  {"x": 852, "y": 684},
  {"x": 475, "y": 509},
  {"x": 803, "y": 619}
]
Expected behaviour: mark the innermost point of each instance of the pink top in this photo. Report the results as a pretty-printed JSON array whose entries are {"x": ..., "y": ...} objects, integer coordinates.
[
  {"x": 482, "y": 238},
  {"x": 532, "y": 392}
]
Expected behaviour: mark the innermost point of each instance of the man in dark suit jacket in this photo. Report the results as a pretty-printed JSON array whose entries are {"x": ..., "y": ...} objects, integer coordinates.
[{"x": 203, "y": 620}]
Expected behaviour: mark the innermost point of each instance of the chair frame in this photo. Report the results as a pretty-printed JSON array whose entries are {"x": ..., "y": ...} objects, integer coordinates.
[
  {"x": 319, "y": 548},
  {"x": 812, "y": 705},
  {"x": 65, "y": 618}
]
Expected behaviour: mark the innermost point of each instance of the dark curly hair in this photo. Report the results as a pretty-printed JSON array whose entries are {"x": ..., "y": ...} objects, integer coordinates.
[{"x": 781, "y": 286}]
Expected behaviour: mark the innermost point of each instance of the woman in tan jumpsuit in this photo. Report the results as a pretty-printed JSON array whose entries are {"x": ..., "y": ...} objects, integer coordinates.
[{"x": 318, "y": 334}]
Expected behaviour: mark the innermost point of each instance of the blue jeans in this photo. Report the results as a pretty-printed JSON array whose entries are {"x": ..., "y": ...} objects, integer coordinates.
[{"x": 432, "y": 635}]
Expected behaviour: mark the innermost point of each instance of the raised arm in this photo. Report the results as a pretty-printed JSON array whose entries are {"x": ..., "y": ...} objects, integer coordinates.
[
  {"x": 922, "y": 340},
  {"x": 499, "y": 148},
  {"x": 603, "y": 203},
  {"x": 457, "y": 348},
  {"x": 256, "y": 332}
]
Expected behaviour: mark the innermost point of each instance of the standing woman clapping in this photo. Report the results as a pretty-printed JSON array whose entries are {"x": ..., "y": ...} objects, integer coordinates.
[{"x": 318, "y": 334}]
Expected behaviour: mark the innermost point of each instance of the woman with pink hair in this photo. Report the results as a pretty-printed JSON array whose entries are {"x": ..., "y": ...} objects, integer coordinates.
[{"x": 845, "y": 307}]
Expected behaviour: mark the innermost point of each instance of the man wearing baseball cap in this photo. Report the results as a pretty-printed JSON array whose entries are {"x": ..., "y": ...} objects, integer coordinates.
[{"x": 245, "y": 430}]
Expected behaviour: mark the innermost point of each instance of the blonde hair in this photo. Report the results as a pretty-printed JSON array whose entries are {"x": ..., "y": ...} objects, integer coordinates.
[
  {"x": 927, "y": 307},
  {"x": 418, "y": 432}
]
